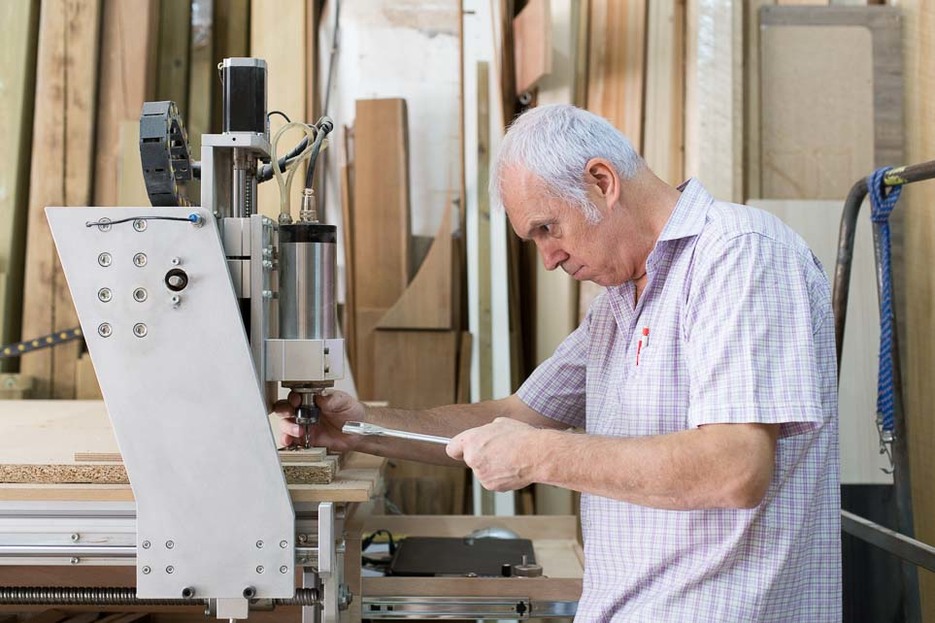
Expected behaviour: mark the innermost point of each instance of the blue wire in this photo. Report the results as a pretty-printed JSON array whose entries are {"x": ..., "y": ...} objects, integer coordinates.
[{"x": 882, "y": 201}]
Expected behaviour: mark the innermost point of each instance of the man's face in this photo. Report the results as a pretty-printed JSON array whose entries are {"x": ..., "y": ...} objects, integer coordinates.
[{"x": 562, "y": 234}]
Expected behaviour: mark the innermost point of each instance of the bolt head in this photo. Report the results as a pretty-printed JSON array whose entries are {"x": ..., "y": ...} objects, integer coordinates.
[
  {"x": 284, "y": 569},
  {"x": 74, "y": 537},
  {"x": 146, "y": 570},
  {"x": 105, "y": 259},
  {"x": 146, "y": 544},
  {"x": 284, "y": 544},
  {"x": 170, "y": 569},
  {"x": 260, "y": 569},
  {"x": 75, "y": 560}
]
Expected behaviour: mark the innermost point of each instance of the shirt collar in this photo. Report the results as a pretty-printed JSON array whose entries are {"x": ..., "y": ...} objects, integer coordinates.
[{"x": 688, "y": 217}]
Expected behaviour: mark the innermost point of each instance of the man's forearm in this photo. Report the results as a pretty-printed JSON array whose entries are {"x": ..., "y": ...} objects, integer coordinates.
[{"x": 722, "y": 466}]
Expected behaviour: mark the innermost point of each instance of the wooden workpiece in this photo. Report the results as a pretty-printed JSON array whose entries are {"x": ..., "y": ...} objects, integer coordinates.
[{"x": 66, "y": 450}]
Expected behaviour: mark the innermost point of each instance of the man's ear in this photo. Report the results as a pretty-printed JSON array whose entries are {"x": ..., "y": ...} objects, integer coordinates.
[{"x": 601, "y": 178}]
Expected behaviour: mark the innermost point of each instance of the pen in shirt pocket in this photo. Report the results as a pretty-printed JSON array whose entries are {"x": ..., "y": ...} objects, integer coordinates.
[{"x": 643, "y": 343}]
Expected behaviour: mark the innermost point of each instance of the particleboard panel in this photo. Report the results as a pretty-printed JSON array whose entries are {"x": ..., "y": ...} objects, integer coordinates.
[
  {"x": 918, "y": 201},
  {"x": 63, "y": 137},
  {"x": 175, "y": 23},
  {"x": 279, "y": 37},
  {"x": 128, "y": 78},
  {"x": 381, "y": 202},
  {"x": 849, "y": 62},
  {"x": 416, "y": 369},
  {"x": 18, "y": 33},
  {"x": 72, "y": 442},
  {"x": 616, "y": 56},
  {"x": 663, "y": 141},
  {"x": 714, "y": 96},
  {"x": 532, "y": 44},
  {"x": 817, "y": 222},
  {"x": 428, "y": 301}
]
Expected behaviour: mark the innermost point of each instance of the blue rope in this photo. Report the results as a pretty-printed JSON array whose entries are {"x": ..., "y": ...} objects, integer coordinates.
[{"x": 882, "y": 201}]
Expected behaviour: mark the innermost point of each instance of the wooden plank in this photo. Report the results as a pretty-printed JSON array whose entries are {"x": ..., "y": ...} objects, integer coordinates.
[
  {"x": 415, "y": 369},
  {"x": 616, "y": 57},
  {"x": 128, "y": 78},
  {"x": 918, "y": 45},
  {"x": 813, "y": 135},
  {"x": 663, "y": 142},
  {"x": 347, "y": 232},
  {"x": 86, "y": 385},
  {"x": 279, "y": 36},
  {"x": 63, "y": 136},
  {"x": 532, "y": 44},
  {"x": 463, "y": 392},
  {"x": 131, "y": 188},
  {"x": 714, "y": 97},
  {"x": 202, "y": 76},
  {"x": 485, "y": 315},
  {"x": 381, "y": 202},
  {"x": 313, "y": 99},
  {"x": 428, "y": 302},
  {"x": 175, "y": 23},
  {"x": 19, "y": 23}
]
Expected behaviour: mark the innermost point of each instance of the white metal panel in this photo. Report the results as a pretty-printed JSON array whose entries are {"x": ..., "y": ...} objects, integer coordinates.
[{"x": 213, "y": 511}]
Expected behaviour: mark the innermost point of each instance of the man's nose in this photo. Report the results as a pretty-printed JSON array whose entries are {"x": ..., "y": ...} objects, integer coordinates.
[{"x": 552, "y": 255}]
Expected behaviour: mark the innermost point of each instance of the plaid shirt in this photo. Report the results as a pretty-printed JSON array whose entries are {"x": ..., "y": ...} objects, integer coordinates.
[{"x": 740, "y": 330}]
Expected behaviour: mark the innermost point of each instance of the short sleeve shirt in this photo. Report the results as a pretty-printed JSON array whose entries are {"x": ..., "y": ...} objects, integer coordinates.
[{"x": 734, "y": 326}]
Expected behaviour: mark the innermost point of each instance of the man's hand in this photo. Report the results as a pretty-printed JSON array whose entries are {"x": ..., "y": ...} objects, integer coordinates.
[
  {"x": 503, "y": 454},
  {"x": 336, "y": 407}
]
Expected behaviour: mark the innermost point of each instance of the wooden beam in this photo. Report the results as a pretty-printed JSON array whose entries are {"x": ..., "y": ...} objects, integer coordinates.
[
  {"x": 19, "y": 33},
  {"x": 279, "y": 36},
  {"x": 616, "y": 58},
  {"x": 175, "y": 24},
  {"x": 231, "y": 39},
  {"x": 485, "y": 317},
  {"x": 63, "y": 136},
  {"x": 202, "y": 75},
  {"x": 128, "y": 78}
]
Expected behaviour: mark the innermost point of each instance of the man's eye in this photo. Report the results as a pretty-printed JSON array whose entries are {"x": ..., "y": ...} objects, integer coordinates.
[{"x": 545, "y": 228}]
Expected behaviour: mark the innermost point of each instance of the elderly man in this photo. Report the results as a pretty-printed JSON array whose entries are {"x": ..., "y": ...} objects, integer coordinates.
[{"x": 704, "y": 378}]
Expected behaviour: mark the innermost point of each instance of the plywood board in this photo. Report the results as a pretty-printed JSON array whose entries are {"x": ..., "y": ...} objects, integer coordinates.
[
  {"x": 175, "y": 22},
  {"x": 714, "y": 96},
  {"x": 381, "y": 202},
  {"x": 231, "y": 33},
  {"x": 63, "y": 137},
  {"x": 817, "y": 222},
  {"x": 829, "y": 61},
  {"x": 616, "y": 70},
  {"x": 416, "y": 369},
  {"x": 532, "y": 44},
  {"x": 18, "y": 35},
  {"x": 279, "y": 36},
  {"x": 918, "y": 46},
  {"x": 127, "y": 79},
  {"x": 428, "y": 301}
]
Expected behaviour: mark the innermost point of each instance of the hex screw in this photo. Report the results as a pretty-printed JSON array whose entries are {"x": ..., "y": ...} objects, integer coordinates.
[
  {"x": 176, "y": 261},
  {"x": 284, "y": 569},
  {"x": 170, "y": 544},
  {"x": 105, "y": 295},
  {"x": 75, "y": 560},
  {"x": 284, "y": 544},
  {"x": 260, "y": 569},
  {"x": 139, "y": 224},
  {"x": 139, "y": 329},
  {"x": 176, "y": 300},
  {"x": 75, "y": 537},
  {"x": 146, "y": 544},
  {"x": 104, "y": 329},
  {"x": 104, "y": 259},
  {"x": 146, "y": 570},
  {"x": 170, "y": 569},
  {"x": 139, "y": 295},
  {"x": 259, "y": 544},
  {"x": 139, "y": 260}
]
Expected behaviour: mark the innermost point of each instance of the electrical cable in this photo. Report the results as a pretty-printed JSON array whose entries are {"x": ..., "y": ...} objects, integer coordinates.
[{"x": 311, "y": 137}]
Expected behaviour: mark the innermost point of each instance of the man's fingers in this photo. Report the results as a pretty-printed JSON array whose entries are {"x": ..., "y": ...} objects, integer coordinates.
[
  {"x": 282, "y": 408},
  {"x": 455, "y": 449},
  {"x": 294, "y": 399}
]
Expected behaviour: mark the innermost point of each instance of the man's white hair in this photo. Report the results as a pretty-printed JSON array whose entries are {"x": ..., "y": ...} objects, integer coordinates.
[{"x": 555, "y": 143}]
